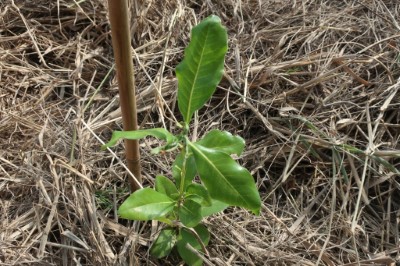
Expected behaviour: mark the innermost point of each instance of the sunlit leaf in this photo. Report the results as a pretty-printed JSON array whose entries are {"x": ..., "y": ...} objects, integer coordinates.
[
  {"x": 146, "y": 204},
  {"x": 202, "y": 67},
  {"x": 225, "y": 179},
  {"x": 222, "y": 141},
  {"x": 159, "y": 133}
]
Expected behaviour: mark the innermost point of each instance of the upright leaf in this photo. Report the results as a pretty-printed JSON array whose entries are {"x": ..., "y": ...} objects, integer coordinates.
[
  {"x": 202, "y": 67},
  {"x": 166, "y": 186},
  {"x": 222, "y": 141},
  {"x": 226, "y": 180},
  {"x": 146, "y": 204},
  {"x": 189, "y": 173}
]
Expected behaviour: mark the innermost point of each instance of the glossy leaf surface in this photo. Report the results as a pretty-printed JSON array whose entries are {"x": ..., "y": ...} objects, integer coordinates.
[
  {"x": 202, "y": 67},
  {"x": 223, "y": 141},
  {"x": 226, "y": 180},
  {"x": 186, "y": 237},
  {"x": 146, "y": 204},
  {"x": 164, "y": 243}
]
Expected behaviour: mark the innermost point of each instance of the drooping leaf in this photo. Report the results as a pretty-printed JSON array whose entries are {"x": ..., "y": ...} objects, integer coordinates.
[
  {"x": 216, "y": 206},
  {"x": 164, "y": 243},
  {"x": 186, "y": 237},
  {"x": 190, "y": 213},
  {"x": 223, "y": 141},
  {"x": 166, "y": 148},
  {"x": 159, "y": 133},
  {"x": 202, "y": 67},
  {"x": 199, "y": 190},
  {"x": 166, "y": 186},
  {"x": 190, "y": 170},
  {"x": 225, "y": 179},
  {"x": 146, "y": 204}
]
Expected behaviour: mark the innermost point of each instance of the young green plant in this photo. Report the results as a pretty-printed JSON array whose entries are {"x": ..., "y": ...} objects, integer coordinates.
[{"x": 183, "y": 201}]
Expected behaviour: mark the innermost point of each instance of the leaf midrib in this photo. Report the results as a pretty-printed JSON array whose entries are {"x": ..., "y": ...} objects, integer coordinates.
[
  {"x": 195, "y": 78},
  {"x": 219, "y": 172}
]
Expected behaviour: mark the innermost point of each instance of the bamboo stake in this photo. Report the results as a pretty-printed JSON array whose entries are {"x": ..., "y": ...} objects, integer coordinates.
[{"x": 121, "y": 40}]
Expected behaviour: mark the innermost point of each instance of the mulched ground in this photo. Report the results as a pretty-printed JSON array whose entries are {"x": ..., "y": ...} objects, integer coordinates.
[{"x": 312, "y": 86}]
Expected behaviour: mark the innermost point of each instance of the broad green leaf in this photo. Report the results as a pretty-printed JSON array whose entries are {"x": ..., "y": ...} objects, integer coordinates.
[
  {"x": 202, "y": 67},
  {"x": 222, "y": 141},
  {"x": 190, "y": 170},
  {"x": 166, "y": 186},
  {"x": 186, "y": 237},
  {"x": 146, "y": 204},
  {"x": 216, "y": 206},
  {"x": 199, "y": 190},
  {"x": 159, "y": 133},
  {"x": 225, "y": 179},
  {"x": 164, "y": 243},
  {"x": 190, "y": 213}
]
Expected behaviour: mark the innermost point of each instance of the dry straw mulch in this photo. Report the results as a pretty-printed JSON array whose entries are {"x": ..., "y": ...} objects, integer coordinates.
[{"x": 312, "y": 86}]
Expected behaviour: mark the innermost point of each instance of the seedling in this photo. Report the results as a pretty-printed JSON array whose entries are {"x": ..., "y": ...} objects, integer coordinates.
[{"x": 183, "y": 201}]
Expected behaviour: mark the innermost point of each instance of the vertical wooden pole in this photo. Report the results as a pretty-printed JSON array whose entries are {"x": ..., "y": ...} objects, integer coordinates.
[{"x": 121, "y": 40}]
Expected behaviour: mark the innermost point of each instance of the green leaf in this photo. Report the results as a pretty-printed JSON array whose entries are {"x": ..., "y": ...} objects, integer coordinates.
[
  {"x": 190, "y": 213},
  {"x": 223, "y": 141},
  {"x": 199, "y": 190},
  {"x": 216, "y": 206},
  {"x": 186, "y": 237},
  {"x": 146, "y": 204},
  {"x": 189, "y": 173},
  {"x": 226, "y": 180},
  {"x": 164, "y": 243},
  {"x": 166, "y": 186},
  {"x": 202, "y": 67},
  {"x": 159, "y": 133}
]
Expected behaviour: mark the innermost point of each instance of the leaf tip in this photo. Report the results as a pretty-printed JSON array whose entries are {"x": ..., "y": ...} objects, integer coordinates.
[
  {"x": 256, "y": 211},
  {"x": 214, "y": 18}
]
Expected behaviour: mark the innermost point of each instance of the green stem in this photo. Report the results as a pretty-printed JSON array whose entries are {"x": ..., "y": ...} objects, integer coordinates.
[
  {"x": 185, "y": 150},
  {"x": 183, "y": 170}
]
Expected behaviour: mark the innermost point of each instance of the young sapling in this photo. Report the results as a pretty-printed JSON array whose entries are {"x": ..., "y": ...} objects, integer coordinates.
[{"x": 182, "y": 202}]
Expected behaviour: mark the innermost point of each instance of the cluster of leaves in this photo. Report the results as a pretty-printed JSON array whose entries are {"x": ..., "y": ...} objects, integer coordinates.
[{"x": 181, "y": 203}]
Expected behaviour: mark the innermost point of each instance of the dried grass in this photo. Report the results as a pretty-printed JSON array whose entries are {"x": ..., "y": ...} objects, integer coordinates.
[{"x": 313, "y": 87}]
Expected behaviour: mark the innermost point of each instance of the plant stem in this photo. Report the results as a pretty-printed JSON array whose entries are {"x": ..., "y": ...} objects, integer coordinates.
[
  {"x": 183, "y": 170},
  {"x": 121, "y": 39}
]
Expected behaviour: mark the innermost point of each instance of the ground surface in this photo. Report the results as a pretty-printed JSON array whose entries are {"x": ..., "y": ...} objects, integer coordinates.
[{"x": 320, "y": 119}]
